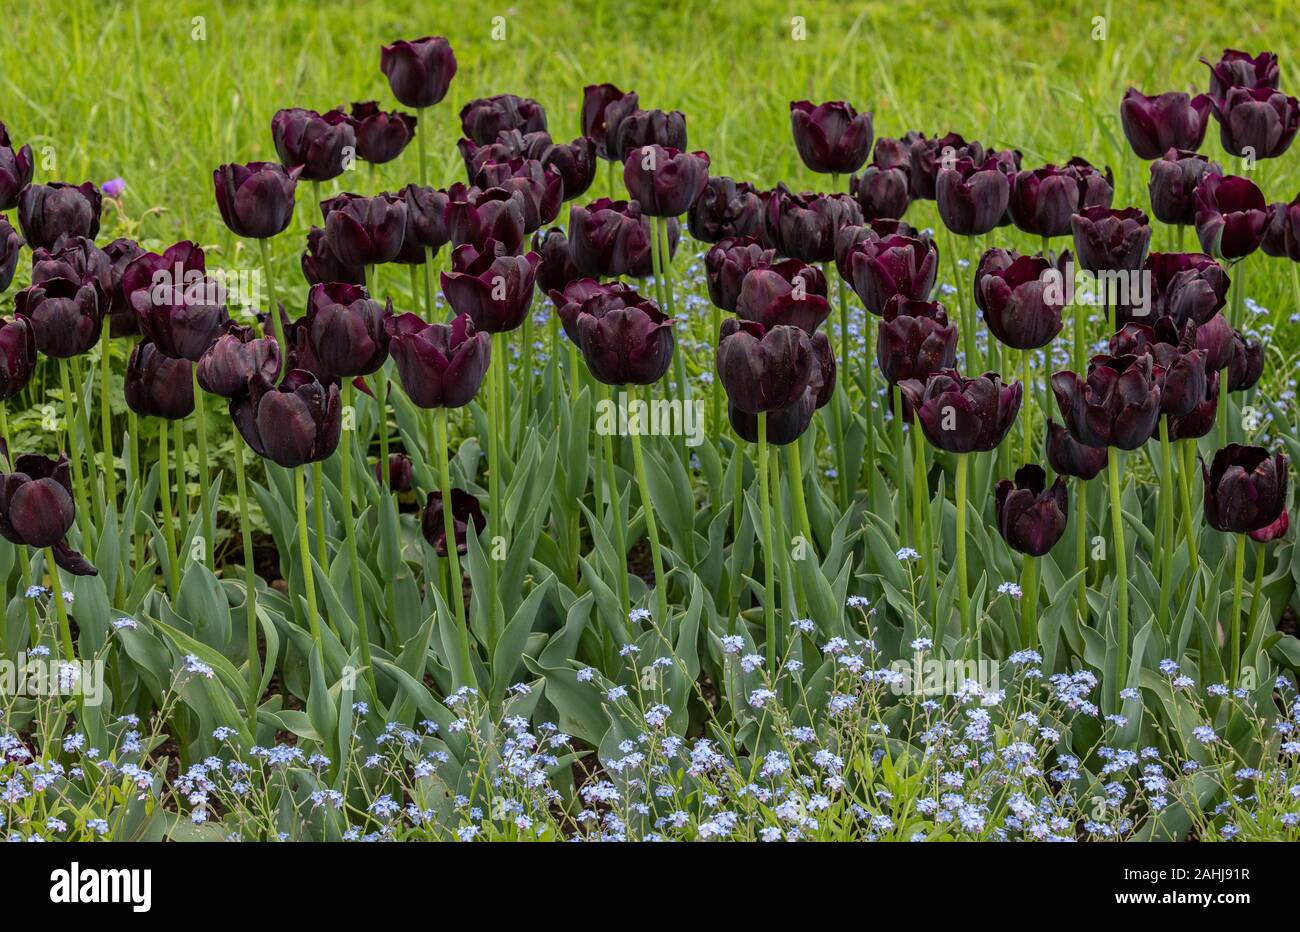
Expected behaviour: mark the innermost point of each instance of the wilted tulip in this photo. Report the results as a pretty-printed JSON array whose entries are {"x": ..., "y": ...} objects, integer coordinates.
[
  {"x": 178, "y": 307},
  {"x": 10, "y": 246},
  {"x": 321, "y": 143},
  {"x": 256, "y": 200},
  {"x": 916, "y": 340},
  {"x": 725, "y": 209},
  {"x": 624, "y": 338},
  {"x": 475, "y": 216},
  {"x": 465, "y": 511},
  {"x": 1241, "y": 69},
  {"x": 1215, "y": 336},
  {"x": 881, "y": 192},
  {"x": 440, "y": 365},
  {"x": 401, "y": 472},
  {"x": 893, "y": 265},
  {"x": 363, "y": 231},
  {"x": 788, "y": 293},
  {"x": 234, "y": 358},
  {"x": 639, "y": 128},
  {"x": 346, "y": 329},
  {"x": 49, "y": 212},
  {"x": 727, "y": 264},
  {"x": 319, "y": 264},
  {"x": 1186, "y": 286},
  {"x": 381, "y": 136},
  {"x": 1281, "y": 236},
  {"x": 603, "y": 108},
  {"x": 764, "y": 370},
  {"x": 482, "y": 119},
  {"x": 293, "y": 423},
  {"x": 964, "y": 415},
  {"x": 1179, "y": 365},
  {"x": 1174, "y": 179},
  {"x": 1200, "y": 420},
  {"x": 157, "y": 385},
  {"x": 1069, "y": 457},
  {"x": 1031, "y": 516},
  {"x": 17, "y": 355},
  {"x": 1173, "y": 120},
  {"x": 832, "y": 138},
  {"x": 1018, "y": 302},
  {"x": 1247, "y": 363},
  {"x": 556, "y": 268},
  {"x": 37, "y": 509},
  {"x": 15, "y": 170},
  {"x": 419, "y": 71},
  {"x": 665, "y": 182},
  {"x": 1117, "y": 405},
  {"x": 122, "y": 321},
  {"x": 1043, "y": 200},
  {"x": 495, "y": 290},
  {"x": 1245, "y": 488},
  {"x": 541, "y": 188},
  {"x": 1231, "y": 216},
  {"x": 1111, "y": 240},
  {"x": 1260, "y": 121},
  {"x": 608, "y": 239},
  {"x": 66, "y": 316},
  {"x": 803, "y": 226},
  {"x": 972, "y": 197}
]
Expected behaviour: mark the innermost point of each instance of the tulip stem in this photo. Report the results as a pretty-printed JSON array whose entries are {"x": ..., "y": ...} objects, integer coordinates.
[
  {"x": 1121, "y": 565},
  {"x": 106, "y": 426},
  {"x": 737, "y": 504},
  {"x": 206, "y": 523},
  {"x": 56, "y": 597},
  {"x": 837, "y": 414},
  {"x": 421, "y": 128},
  {"x": 276, "y": 323},
  {"x": 318, "y": 513},
  {"x": 1027, "y": 416},
  {"x": 796, "y": 492},
  {"x": 1165, "y": 523},
  {"x": 88, "y": 441},
  {"x": 920, "y": 526},
  {"x": 1256, "y": 590},
  {"x": 454, "y": 591},
  {"x": 70, "y": 421},
  {"x": 169, "y": 523},
  {"x": 494, "y": 485},
  {"x": 715, "y": 399},
  {"x": 769, "y": 583},
  {"x": 963, "y": 585},
  {"x": 182, "y": 474},
  {"x": 1189, "y": 516},
  {"x": 526, "y": 370},
  {"x": 350, "y": 541},
  {"x": 869, "y": 409},
  {"x": 652, "y": 531},
  {"x": 616, "y": 519},
  {"x": 1081, "y": 544},
  {"x": 1028, "y": 601},
  {"x": 900, "y": 459},
  {"x": 1238, "y": 570},
  {"x": 250, "y": 587},
  {"x": 965, "y": 312},
  {"x": 133, "y": 458},
  {"x": 304, "y": 553}
]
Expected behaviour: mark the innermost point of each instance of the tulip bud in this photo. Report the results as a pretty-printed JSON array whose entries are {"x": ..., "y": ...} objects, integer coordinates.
[
  {"x": 381, "y": 136},
  {"x": 916, "y": 340},
  {"x": 1095, "y": 188},
  {"x": 121, "y": 317},
  {"x": 727, "y": 264},
  {"x": 832, "y": 138},
  {"x": 556, "y": 268},
  {"x": 789, "y": 293},
  {"x": 786, "y": 425},
  {"x": 665, "y": 182},
  {"x": 36, "y": 504},
  {"x": 17, "y": 355},
  {"x": 400, "y": 472},
  {"x": 78, "y": 260},
  {"x": 1231, "y": 216},
  {"x": 1173, "y": 120},
  {"x": 321, "y": 143},
  {"x": 48, "y": 212},
  {"x": 726, "y": 209},
  {"x": 881, "y": 192},
  {"x": 1117, "y": 405},
  {"x": 603, "y": 108},
  {"x": 1174, "y": 179},
  {"x": 15, "y": 170},
  {"x": 419, "y": 71},
  {"x": 292, "y": 424},
  {"x": 1241, "y": 69},
  {"x": 178, "y": 307},
  {"x": 363, "y": 231},
  {"x": 1031, "y": 516},
  {"x": 927, "y": 156},
  {"x": 1281, "y": 237},
  {"x": 1245, "y": 489},
  {"x": 157, "y": 385},
  {"x": 347, "y": 329},
  {"x": 609, "y": 239},
  {"x": 1189, "y": 287},
  {"x": 484, "y": 118},
  {"x": 426, "y": 223},
  {"x": 494, "y": 290},
  {"x": 1043, "y": 200},
  {"x": 1069, "y": 457},
  {"x": 1215, "y": 336},
  {"x": 440, "y": 365},
  {"x": 1179, "y": 368},
  {"x": 972, "y": 198},
  {"x": 236, "y": 356},
  {"x": 964, "y": 415},
  {"x": 542, "y": 188},
  {"x": 624, "y": 338},
  {"x": 1247, "y": 363},
  {"x": 575, "y": 162},
  {"x": 465, "y": 510},
  {"x": 761, "y": 369},
  {"x": 256, "y": 200}
]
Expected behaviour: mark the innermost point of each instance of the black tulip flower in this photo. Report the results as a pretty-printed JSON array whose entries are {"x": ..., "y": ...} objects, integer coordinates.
[
  {"x": 1117, "y": 405},
  {"x": 177, "y": 306},
  {"x": 1172, "y": 120},
  {"x": 665, "y": 182},
  {"x": 363, "y": 231},
  {"x": 1187, "y": 287},
  {"x": 298, "y": 352},
  {"x": 381, "y": 135},
  {"x": 1111, "y": 240},
  {"x": 1200, "y": 420},
  {"x": 803, "y": 226},
  {"x": 556, "y": 268},
  {"x": 234, "y": 358},
  {"x": 1245, "y": 488},
  {"x": 574, "y": 161},
  {"x": 1215, "y": 336},
  {"x": 881, "y": 192},
  {"x": 894, "y": 153},
  {"x": 640, "y": 128},
  {"x": 10, "y": 246},
  {"x": 1174, "y": 179},
  {"x": 1179, "y": 368},
  {"x": 15, "y": 170},
  {"x": 78, "y": 260},
  {"x": 347, "y": 329},
  {"x": 319, "y": 264},
  {"x": 1281, "y": 237},
  {"x": 37, "y": 509},
  {"x": 509, "y": 144},
  {"x": 786, "y": 293},
  {"x": 440, "y": 365},
  {"x": 761, "y": 369},
  {"x": 1096, "y": 188},
  {"x": 972, "y": 197},
  {"x": 727, "y": 264},
  {"x": 603, "y": 108},
  {"x": 1069, "y": 457},
  {"x": 850, "y": 235},
  {"x": 832, "y": 138},
  {"x": 157, "y": 385},
  {"x": 419, "y": 71},
  {"x": 401, "y": 472},
  {"x": 927, "y": 156},
  {"x": 49, "y": 212},
  {"x": 495, "y": 290},
  {"x": 427, "y": 228},
  {"x": 1018, "y": 303},
  {"x": 993, "y": 261},
  {"x": 893, "y": 265},
  {"x": 256, "y": 200},
  {"x": 964, "y": 415},
  {"x": 1258, "y": 121},
  {"x": 17, "y": 355},
  {"x": 321, "y": 143},
  {"x": 569, "y": 298},
  {"x": 465, "y": 511},
  {"x": 293, "y": 423},
  {"x": 475, "y": 216},
  {"x": 1043, "y": 200},
  {"x": 624, "y": 338},
  {"x": 1231, "y": 216},
  {"x": 786, "y": 425},
  {"x": 541, "y": 188},
  {"x": 1031, "y": 516},
  {"x": 1273, "y": 531},
  {"x": 1247, "y": 363},
  {"x": 725, "y": 209},
  {"x": 66, "y": 316},
  {"x": 916, "y": 340},
  {"x": 122, "y": 321},
  {"x": 482, "y": 119},
  {"x": 1241, "y": 69},
  {"x": 608, "y": 239}
]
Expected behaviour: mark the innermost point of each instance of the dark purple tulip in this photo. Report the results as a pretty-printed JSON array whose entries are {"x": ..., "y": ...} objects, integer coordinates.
[
  {"x": 603, "y": 107},
  {"x": 440, "y": 365},
  {"x": 608, "y": 239},
  {"x": 158, "y": 385},
  {"x": 665, "y": 182},
  {"x": 726, "y": 209},
  {"x": 426, "y": 222},
  {"x": 401, "y": 472},
  {"x": 803, "y": 226},
  {"x": 786, "y": 425},
  {"x": 832, "y": 138},
  {"x": 10, "y": 246},
  {"x": 1174, "y": 179},
  {"x": 15, "y": 170},
  {"x": 1111, "y": 240},
  {"x": 1069, "y": 457},
  {"x": 640, "y": 128},
  {"x": 256, "y": 200},
  {"x": 1187, "y": 287},
  {"x": 482, "y": 119},
  {"x": 419, "y": 71},
  {"x": 66, "y": 316},
  {"x": 363, "y": 231},
  {"x": 17, "y": 355},
  {"x": 1231, "y": 216},
  {"x": 321, "y": 143},
  {"x": 1043, "y": 200},
  {"x": 1270, "y": 532},
  {"x": 1241, "y": 69},
  {"x": 1116, "y": 406},
  {"x": 928, "y": 156},
  {"x": 964, "y": 415},
  {"x": 495, "y": 290},
  {"x": 465, "y": 510},
  {"x": 347, "y": 329},
  {"x": 381, "y": 136},
  {"x": 298, "y": 352},
  {"x": 916, "y": 340},
  {"x": 1172, "y": 120},
  {"x": 48, "y": 212},
  {"x": 893, "y": 265},
  {"x": 893, "y": 153},
  {"x": 788, "y": 293},
  {"x": 1247, "y": 363},
  {"x": 1245, "y": 488},
  {"x": 1031, "y": 516},
  {"x": 1095, "y": 188},
  {"x": 624, "y": 338},
  {"x": 568, "y": 300},
  {"x": 972, "y": 197},
  {"x": 881, "y": 192},
  {"x": 1200, "y": 420},
  {"x": 1017, "y": 302},
  {"x": 36, "y": 503},
  {"x": 78, "y": 260},
  {"x": 236, "y": 356},
  {"x": 727, "y": 264},
  {"x": 1179, "y": 368},
  {"x": 850, "y": 235},
  {"x": 291, "y": 424},
  {"x": 319, "y": 264},
  {"x": 764, "y": 370},
  {"x": 574, "y": 161},
  {"x": 1215, "y": 336},
  {"x": 541, "y": 188},
  {"x": 556, "y": 268},
  {"x": 993, "y": 261},
  {"x": 1261, "y": 121},
  {"x": 509, "y": 144},
  {"x": 1281, "y": 237},
  {"x": 475, "y": 216},
  {"x": 177, "y": 306},
  {"x": 122, "y": 321}
]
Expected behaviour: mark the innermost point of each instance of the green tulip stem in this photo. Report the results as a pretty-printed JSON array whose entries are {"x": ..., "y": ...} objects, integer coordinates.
[
  {"x": 1121, "y": 565},
  {"x": 454, "y": 591},
  {"x": 842, "y": 482},
  {"x": 1028, "y": 601},
  {"x": 494, "y": 484},
  {"x": 87, "y": 441},
  {"x": 1238, "y": 297},
  {"x": 132, "y": 455},
  {"x": 428, "y": 284},
  {"x": 70, "y": 422},
  {"x": 1163, "y": 555},
  {"x": 274, "y": 308},
  {"x": 318, "y": 512},
  {"x": 615, "y": 518},
  {"x": 1189, "y": 516},
  {"x": 385, "y": 493},
  {"x": 965, "y": 312},
  {"x": 304, "y": 553},
  {"x": 56, "y": 597},
  {"x": 526, "y": 370},
  {"x": 963, "y": 584},
  {"x": 920, "y": 522},
  {"x": 1238, "y": 571},
  {"x": 769, "y": 582},
  {"x": 350, "y": 541},
  {"x": 207, "y": 525},
  {"x": 869, "y": 411},
  {"x": 421, "y": 130},
  {"x": 900, "y": 458},
  {"x": 1026, "y": 415},
  {"x": 165, "y": 500},
  {"x": 652, "y": 531},
  {"x": 737, "y": 504},
  {"x": 250, "y": 585},
  {"x": 182, "y": 474},
  {"x": 1256, "y": 590},
  {"x": 1081, "y": 544},
  {"x": 715, "y": 399},
  {"x": 106, "y": 423},
  {"x": 796, "y": 492}
]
